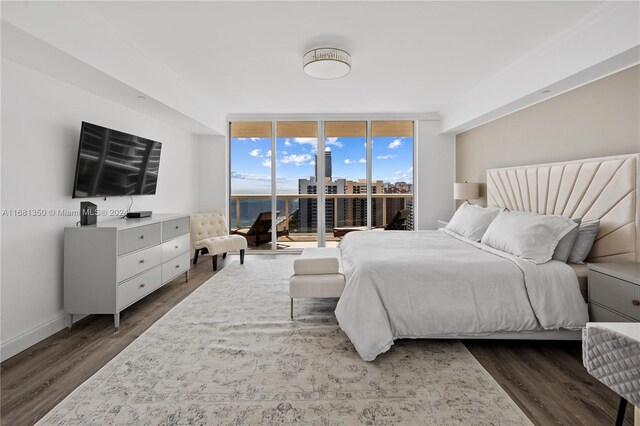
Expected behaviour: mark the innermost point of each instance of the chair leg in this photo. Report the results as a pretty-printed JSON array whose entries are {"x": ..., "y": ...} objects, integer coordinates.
[
  {"x": 291, "y": 310},
  {"x": 195, "y": 256},
  {"x": 224, "y": 255},
  {"x": 621, "y": 410},
  {"x": 214, "y": 259},
  {"x": 242, "y": 257}
]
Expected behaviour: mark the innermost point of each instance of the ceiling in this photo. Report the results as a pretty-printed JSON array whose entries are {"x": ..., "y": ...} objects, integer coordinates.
[{"x": 246, "y": 57}]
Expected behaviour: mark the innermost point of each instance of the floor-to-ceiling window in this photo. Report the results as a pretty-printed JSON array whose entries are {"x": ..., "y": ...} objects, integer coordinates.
[
  {"x": 296, "y": 184},
  {"x": 296, "y": 170},
  {"x": 392, "y": 174}
]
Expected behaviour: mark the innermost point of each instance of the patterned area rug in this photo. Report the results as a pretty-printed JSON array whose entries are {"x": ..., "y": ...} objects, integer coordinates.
[{"x": 228, "y": 354}]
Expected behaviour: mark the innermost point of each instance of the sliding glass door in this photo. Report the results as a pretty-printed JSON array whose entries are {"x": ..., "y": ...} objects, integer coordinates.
[{"x": 297, "y": 184}]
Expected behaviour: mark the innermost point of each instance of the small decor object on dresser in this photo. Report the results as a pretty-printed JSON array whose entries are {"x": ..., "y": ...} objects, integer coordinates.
[{"x": 614, "y": 292}]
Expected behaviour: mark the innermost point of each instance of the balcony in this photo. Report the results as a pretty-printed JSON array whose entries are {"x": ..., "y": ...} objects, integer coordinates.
[{"x": 297, "y": 216}]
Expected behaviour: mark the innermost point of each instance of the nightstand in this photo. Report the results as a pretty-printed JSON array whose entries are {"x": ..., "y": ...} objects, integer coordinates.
[
  {"x": 614, "y": 292},
  {"x": 442, "y": 224}
]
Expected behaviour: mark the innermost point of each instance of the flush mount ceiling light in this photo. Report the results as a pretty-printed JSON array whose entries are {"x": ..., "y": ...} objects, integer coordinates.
[{"x": 327, "y": 63}]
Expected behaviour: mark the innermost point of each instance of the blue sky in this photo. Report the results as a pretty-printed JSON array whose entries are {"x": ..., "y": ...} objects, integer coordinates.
[{"x": 251, "y": 161}]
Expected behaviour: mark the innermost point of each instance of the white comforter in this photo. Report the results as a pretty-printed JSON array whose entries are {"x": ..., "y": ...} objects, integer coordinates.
[{"x": 436, "y": 284}]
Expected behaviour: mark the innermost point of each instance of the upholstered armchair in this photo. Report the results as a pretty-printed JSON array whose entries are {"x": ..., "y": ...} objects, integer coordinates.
[{"x": 210, "y": 237}]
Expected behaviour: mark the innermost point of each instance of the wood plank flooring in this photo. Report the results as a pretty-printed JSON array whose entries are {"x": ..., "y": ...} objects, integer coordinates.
[{"x": 545, "y": 379}]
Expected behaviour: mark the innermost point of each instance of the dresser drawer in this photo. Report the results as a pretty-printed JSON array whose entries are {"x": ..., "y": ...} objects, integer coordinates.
[
  {"x": 138, "y": 287},
  {"x": 616, "y": 294},
  {"x": 598, "y": 313},
  {"x": 175, "y": 267},
  {"x": 138, "y": 238},
  {"x": 174, "y": 228},
  {"x": 134, "y": 263},
  {"x": 173, "y": 248}
]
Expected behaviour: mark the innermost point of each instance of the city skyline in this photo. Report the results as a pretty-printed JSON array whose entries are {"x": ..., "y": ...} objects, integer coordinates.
[{"x": 295, "y": 159}]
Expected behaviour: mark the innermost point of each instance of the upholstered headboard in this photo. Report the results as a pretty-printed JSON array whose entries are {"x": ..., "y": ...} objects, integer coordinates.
[{"x": 605, "y": 188}]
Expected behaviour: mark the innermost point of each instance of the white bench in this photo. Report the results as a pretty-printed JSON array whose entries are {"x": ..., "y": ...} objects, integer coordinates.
[{"x": 317, "y": 273}]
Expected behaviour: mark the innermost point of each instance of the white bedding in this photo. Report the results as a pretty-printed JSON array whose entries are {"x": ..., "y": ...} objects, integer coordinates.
[{"x": 433, "y": 283}]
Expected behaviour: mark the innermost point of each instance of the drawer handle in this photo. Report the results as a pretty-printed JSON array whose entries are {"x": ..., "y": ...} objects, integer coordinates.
[
  {"x": 141, "y": 237},
  {"x": 177, "y": 266},
  {"x": 176, "y": 247},
  {"x": 177, "y": 227},
  {"x": 141, "y": 285},
  {"x": 635, "y": 302},
  {"x": 141, "y": 261}
]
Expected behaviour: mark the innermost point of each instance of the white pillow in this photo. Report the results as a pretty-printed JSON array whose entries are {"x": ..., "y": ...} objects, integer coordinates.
[
  {"x": 527, "y": 235},
  {"x": 563, "y": 249},
  {"x": 584, "y": 241},
  {"x": 471, "y": 221}
]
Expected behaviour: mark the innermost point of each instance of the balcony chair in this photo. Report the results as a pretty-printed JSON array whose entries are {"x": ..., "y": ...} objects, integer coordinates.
[
  {"x": 260, "y": 232},
  {"x": 397, "y": 224},
  {"x": 210, "y": 236},
  {"x": 398, "y": 221}
]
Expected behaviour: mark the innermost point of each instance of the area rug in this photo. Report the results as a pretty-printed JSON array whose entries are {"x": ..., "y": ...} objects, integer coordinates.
[{"x": 228, "y": 354}]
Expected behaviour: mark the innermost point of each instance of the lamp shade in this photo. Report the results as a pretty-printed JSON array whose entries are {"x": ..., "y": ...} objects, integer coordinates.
[{"x": 466, "y": 191}]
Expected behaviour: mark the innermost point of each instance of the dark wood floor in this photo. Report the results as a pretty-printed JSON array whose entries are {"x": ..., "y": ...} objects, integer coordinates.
[{"x": 546, "y": 380}]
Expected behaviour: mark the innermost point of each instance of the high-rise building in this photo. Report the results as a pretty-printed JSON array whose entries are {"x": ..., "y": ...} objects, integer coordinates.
[
  {"x": 309, "y": 206},
  {"x": 357, "y": 207},
  {"x": 327, "y": 164}
]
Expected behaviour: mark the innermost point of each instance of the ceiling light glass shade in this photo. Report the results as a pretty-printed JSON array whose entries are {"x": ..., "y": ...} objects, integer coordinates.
[{"x": 327, "y": 63}]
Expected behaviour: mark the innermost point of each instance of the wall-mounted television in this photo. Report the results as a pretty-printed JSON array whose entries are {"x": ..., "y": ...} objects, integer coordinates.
[{"x": 114, "y": 163}]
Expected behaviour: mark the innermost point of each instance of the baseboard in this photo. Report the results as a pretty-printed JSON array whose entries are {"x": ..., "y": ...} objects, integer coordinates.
[{"x": 33, "y": 336}]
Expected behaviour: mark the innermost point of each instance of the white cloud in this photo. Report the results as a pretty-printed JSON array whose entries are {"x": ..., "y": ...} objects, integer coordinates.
[
  {"x": 386, "y": 157},
  {"x": 312, "y": 163},
  {"x": 362, "y": 161},
  {"x": 287, "y": 142},
  {"x": 333, "y": 142},
  {"x": 255, "y": 139},
  {"x": 298, "y": 160},
  {"x": 349, "y": 161},
  {"x": 395, "y": 144},
  {"x": 284, "y": 152},
  {"x": 269, "y": 153},
  {"x": 255, "y": 153},
  {"x": 257, "y": 177},
  {"x": 307, "y": 141},
  {"x": 267, "y": 162},
  {"x": 250, "y": 176}
]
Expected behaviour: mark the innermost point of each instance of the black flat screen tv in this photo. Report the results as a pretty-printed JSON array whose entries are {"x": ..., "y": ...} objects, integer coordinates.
[{"x": 113, "y": 163}]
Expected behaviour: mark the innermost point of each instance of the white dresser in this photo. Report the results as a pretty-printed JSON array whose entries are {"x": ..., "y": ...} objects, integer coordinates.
[{"x": 115, "y": 263}]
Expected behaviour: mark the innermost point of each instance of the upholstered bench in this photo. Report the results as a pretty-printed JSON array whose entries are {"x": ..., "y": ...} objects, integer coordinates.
[
  {"x": 210, "y": 236},
  {"x": 317, "y": 273}
]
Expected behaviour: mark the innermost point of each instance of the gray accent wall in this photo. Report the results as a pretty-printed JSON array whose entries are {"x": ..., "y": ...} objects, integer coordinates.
[{"x": 598, "y": 119}]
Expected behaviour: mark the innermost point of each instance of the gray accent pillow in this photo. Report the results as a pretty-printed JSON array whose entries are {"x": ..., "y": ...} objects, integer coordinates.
[
  {"x": 584, "y": 241},
  {"x": 563, "y": 249}
]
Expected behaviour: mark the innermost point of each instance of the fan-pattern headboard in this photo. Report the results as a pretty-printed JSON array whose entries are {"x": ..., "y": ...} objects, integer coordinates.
[{"x": 599, "y": 188}]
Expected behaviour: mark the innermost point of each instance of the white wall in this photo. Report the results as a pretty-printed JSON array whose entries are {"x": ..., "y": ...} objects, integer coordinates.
[
  {"x": 436, "y": 174},
  {"x": 212, "y": 174},
  {"x": 41, "y": 119}
]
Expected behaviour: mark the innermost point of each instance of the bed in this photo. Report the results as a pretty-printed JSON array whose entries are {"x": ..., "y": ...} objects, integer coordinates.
[{"x": 436, "y": 284}]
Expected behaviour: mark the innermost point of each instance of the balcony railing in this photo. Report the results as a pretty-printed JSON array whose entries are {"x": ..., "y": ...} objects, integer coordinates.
[{"x": 285, "y": 214}]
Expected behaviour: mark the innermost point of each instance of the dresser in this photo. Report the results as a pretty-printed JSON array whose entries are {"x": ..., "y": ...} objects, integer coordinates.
[
  {"x": 111, "y": 265},
  {"x": 614, "y": 292}
]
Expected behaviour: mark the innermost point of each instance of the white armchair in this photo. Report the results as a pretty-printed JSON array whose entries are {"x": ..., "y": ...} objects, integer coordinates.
[{"x": 210, "y": 237}]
